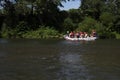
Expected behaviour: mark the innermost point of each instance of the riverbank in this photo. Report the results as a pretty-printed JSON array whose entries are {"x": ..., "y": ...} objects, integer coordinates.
[
  {"x": 40, "y": 33},
  {"x": 46, "y": 33}
]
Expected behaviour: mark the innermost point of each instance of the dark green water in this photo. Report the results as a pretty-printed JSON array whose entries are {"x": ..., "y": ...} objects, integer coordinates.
[{"x": 59, "y": 60}]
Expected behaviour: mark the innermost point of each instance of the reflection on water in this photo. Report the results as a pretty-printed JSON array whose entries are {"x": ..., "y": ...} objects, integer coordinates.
[
  {"x": 73, "y": 68},
  {"x": 59, "y": 60}
]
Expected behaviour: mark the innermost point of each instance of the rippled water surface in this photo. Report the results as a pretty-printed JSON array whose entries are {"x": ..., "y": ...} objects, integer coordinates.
[{"x": 59, "y": 60}]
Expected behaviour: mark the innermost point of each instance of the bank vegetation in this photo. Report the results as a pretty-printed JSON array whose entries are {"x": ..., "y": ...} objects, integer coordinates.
[{"x": 43, "y": 18}]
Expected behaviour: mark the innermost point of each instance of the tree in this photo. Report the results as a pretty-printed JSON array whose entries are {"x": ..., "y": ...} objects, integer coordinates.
[
  {"x": 68, "y": 25},
  {"x": 87, "y": 24},
  {"x": 75, "y": 15},
  {"x": 92, "y": 7},
  {"x": 107, "y": 19}
]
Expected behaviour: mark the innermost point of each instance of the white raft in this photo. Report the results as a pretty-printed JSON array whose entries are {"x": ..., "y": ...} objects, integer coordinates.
[{"x": 77, "y": 39}]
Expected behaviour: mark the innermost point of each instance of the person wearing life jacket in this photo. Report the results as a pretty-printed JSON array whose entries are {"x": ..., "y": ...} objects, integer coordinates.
[
  {"x": 71, "y": 34},
  {"x": 81, "y": 34},
  {"x": 94, "y": 34},
  {"x": 85, "y": 34},
  {"x": 67, "y": 33},
  {"x": 77, "y": 35}
]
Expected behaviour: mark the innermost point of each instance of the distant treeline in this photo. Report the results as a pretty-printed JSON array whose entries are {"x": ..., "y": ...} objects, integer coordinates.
[{"x": 43, "y": 18}]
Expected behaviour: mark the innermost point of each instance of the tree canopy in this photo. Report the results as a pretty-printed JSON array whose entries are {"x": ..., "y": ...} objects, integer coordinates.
[{"x": 21, "y": 16}]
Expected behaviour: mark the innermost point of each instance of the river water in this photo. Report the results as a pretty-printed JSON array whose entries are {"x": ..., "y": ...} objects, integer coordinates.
[{"x": 24, "y": 59}]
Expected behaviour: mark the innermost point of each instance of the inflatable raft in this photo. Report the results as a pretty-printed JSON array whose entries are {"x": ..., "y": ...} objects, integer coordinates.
[{"x": 75, "y": 39}]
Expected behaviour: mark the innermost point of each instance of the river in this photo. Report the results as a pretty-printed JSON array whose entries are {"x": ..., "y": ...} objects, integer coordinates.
[{"x": 32, "y": 59}]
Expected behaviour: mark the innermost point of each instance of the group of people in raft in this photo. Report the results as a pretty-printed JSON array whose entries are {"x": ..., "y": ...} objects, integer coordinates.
[{"x": 82, "y": 34}]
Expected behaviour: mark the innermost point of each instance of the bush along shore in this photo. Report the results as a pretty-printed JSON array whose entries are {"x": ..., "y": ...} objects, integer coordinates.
[
  {"x": 47, "y": 33},
  {"x": 40, "y": 33}
]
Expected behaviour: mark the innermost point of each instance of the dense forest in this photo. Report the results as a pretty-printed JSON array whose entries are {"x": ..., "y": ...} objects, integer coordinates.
[{"x": 43, "y": 18}]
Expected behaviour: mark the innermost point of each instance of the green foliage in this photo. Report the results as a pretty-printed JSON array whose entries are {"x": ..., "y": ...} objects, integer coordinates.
[
  {"x": 4, "y": 31},
  {"x": 21, "y": 18},
  {"x": 17, "y": 32},
  {"x": 21, "y": 8},
  {"x": 68, "y": 25},
  {"x": 107, "y": 18},
  {"x": 22, "y": 27},
  {"x": 8, "y": 33},
  {"x": 100, "y": 29},
  {"x": 117, "y": 35},
  {"x": 87, "y": 24},
  {"x": 117, "y": 26},
  {"x": 43, "y": 32},
  {"x": 75, "y": 15},
  {"x": 102, "y": 32},
  {"x": 92, "y": 8}
]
